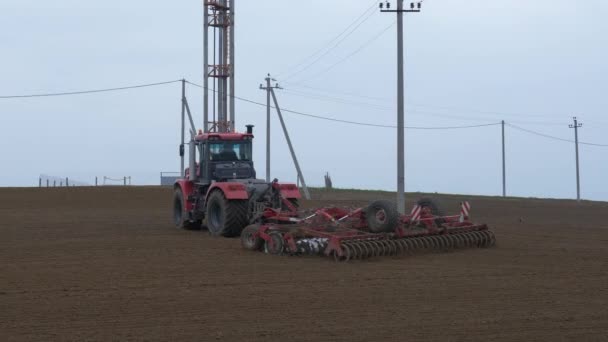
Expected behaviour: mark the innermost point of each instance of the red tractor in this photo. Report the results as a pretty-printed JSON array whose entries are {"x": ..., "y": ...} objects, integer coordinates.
[{"x": 222, "y": 193}]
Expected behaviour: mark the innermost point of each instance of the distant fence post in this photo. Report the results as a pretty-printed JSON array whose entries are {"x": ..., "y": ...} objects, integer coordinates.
[
  {"x": 47, "y": 182},
  {"x": 95, "y": 180},
  {"x": 67, "y": 182},
  {"x": 40, "y": 182},
  {"x": 54, "y": 183},
  {"x": 125, "y": 181}
]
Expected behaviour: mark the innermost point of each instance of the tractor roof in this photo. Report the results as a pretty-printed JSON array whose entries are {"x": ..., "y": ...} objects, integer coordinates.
[{"x": 223, "y": 136}]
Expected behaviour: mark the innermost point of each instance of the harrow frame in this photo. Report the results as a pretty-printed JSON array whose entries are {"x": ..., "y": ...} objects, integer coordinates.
[{"x": 347, "y": 234}]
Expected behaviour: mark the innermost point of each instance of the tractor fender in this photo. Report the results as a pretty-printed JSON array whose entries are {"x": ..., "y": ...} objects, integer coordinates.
[
  {"x": 231, "y": 190},
  {"x": 289, "y": 190},
  {"x": 187, "y": 188}
]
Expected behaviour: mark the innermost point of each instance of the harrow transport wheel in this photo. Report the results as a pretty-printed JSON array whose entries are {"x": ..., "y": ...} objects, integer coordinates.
[
  {"x": 249, "y": 238},
  {"x": 180, "y": 217},
  {"x": 435, "y": 208},
  {"x": 225, "y": 217},
  {"x": 382, "y": 216},
  {"x": 275, "y": 246}
]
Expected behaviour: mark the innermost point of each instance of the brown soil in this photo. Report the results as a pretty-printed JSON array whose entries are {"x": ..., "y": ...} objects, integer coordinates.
[{"x": 105, "y": 264}]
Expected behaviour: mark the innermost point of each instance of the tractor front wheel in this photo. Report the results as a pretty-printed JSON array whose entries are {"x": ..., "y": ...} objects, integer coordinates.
[
  {"x": 180, "y": 216},
  {"x": 226, "y": 217}
]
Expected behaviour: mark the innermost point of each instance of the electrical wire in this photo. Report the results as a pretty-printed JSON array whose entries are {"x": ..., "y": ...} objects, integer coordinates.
[
  {"x": 378, "y": 106},
  {"x": 89, "y": 91},
  {"x": 383, "y": 108},
  {"x": 335, "y": 92},
  {"x": 325, "y": 91},
  {"x": 335, "y": 99},
  {"x": 334, "y": 46},
  {"x": 334, "y": 39},
  {"x": 368, "y": 42},
  {"x": 553, "y": 137},
  {"x": 326, "y": 118}
]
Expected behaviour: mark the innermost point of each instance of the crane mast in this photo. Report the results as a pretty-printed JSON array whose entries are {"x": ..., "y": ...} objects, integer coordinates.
[{"x": 218, "y": 68}]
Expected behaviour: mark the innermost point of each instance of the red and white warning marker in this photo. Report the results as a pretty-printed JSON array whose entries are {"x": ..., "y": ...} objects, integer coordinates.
[
  {"x": 465, "y": 207},
  {"x": 415, "y": 214}
]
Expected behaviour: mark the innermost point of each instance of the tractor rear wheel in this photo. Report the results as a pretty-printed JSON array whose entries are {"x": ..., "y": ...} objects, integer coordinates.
[
  {"x": 226, "y": 217},
  {"x": 382, "y": 216},
  {"x": 180, "y": 216}
]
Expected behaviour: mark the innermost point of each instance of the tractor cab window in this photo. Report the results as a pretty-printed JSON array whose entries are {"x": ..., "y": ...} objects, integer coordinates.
[{"x": 230, "y": 151}]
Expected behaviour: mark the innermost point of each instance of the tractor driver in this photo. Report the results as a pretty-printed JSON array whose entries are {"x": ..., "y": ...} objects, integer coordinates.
[{"x": 227, "y": 153}]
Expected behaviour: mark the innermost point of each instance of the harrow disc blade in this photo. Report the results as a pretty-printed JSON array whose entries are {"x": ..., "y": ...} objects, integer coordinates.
[
  {"x": 347, "y": 252},
  {"x": 362, "y": 249}
]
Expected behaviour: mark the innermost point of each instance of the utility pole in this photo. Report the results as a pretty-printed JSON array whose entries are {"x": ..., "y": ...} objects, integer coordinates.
[
  {"x": 293, "y": 153},
  {"x": 268, "y": 88},
  {"x": 576, "y": 126},
  {"x": 181, "y": 145},
  {"x": 414, "y": 8},
  {"x": 504, "y": 165}
]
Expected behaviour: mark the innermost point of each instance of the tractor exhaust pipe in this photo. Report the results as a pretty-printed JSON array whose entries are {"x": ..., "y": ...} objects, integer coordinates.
[{"x": 249, "y": 129}]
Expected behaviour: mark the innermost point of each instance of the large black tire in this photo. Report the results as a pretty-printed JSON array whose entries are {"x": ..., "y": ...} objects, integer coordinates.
[
  {"x": 434, "y": 206},
  {"x": 382, "y": 216},
  {"x": 180, "y": 216},
  {"x": 226, "y": 217}
]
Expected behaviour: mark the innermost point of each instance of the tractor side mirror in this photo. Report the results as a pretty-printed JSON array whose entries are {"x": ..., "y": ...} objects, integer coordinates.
[{"x": 182, "y": 151}]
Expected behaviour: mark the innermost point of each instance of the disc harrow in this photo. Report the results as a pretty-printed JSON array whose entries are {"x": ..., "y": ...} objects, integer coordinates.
[
  {"x": 375, "y": 231},
  {"x": 364, "y": 249}
]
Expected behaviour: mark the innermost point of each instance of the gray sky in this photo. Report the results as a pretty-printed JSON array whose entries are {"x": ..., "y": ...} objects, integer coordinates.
[{"x": 534, "y": 64}]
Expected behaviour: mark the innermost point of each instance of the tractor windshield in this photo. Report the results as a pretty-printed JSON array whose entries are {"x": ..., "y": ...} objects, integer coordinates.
[{"x": 230, "y": 151}]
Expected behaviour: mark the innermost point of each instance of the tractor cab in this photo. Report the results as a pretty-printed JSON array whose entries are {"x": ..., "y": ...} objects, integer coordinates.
[
  {"x": 223, "y": 157},
  {"x": 220, "y": 189}
]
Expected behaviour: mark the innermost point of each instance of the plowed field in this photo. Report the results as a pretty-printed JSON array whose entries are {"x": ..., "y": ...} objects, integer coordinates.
[{"x": 106, "y": 264}]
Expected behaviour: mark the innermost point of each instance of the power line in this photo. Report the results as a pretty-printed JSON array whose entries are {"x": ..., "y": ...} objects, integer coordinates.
[
  {"x": 377, "y": 106},
  {"x": 341, "y": 93},
  {"x": 368, "y": 42},
  {"x": 354, "y": 122},
  {"x": 310, "y": 115},
  {"x": 553, "y": 137},
  {"x": 360, "y": 104},
  {"x": 325, "y": 91},
  {"x": 334, "y": 99},
  {"x": 334, "y": 39},
  {"x": 331, "y": 48},
  {"x": 89, "y": 91}
]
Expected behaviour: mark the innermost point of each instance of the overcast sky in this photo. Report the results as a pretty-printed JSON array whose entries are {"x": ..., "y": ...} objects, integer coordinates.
[{"x": 534, "y": 64}]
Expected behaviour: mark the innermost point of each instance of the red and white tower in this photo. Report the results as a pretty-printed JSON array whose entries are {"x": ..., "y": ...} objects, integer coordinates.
[{"x": 219, "y": 65}]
